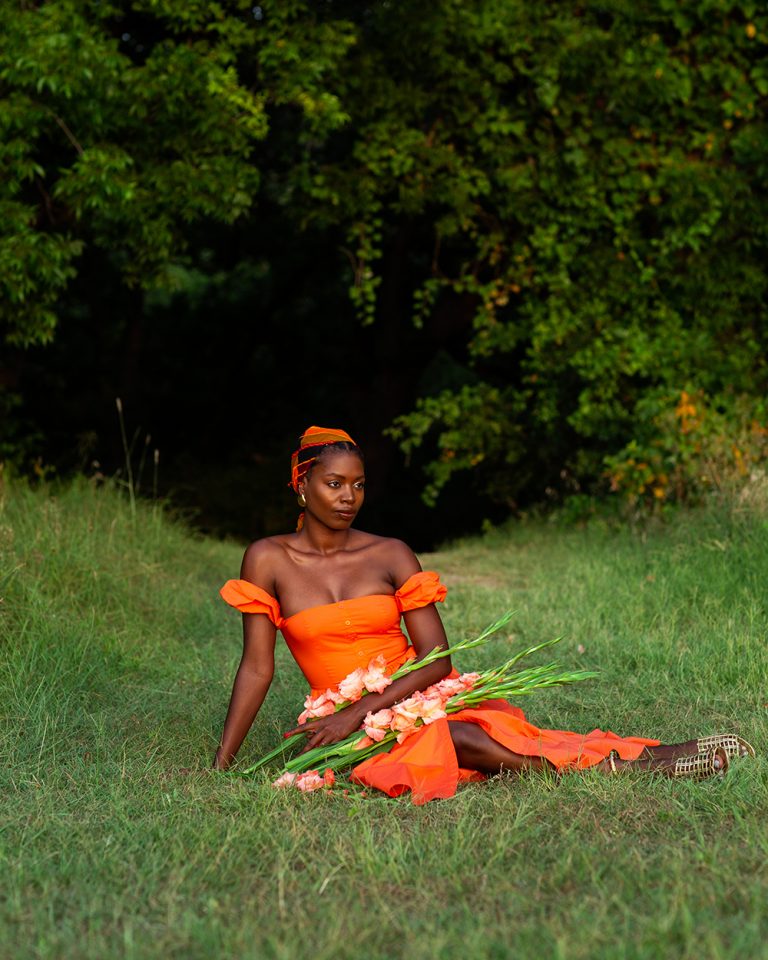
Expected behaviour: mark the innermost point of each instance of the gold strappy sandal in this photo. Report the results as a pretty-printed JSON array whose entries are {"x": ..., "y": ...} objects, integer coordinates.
[
  {"x": 733, "y": 745},
  {"x": 698, "y": 766},
  {"x": 701, "y": 765}
]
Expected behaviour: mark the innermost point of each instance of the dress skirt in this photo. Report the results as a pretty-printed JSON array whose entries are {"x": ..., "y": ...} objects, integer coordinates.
[{"x": 426, "y": 763}]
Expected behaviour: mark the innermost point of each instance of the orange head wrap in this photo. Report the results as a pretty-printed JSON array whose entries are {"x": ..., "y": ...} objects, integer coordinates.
[{"x": 317, "y": 438}]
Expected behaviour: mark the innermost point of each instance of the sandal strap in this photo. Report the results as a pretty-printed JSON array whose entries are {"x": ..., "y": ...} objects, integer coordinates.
[
  {"x": 700, "y": 766},
  {"x": 734, "y": 745}
]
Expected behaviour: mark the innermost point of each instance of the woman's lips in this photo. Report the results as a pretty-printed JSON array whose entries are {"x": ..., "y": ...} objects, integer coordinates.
[{"x": 346, "y": 514}]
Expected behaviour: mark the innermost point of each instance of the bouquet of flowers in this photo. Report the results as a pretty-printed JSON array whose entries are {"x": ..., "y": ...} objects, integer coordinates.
[{"x": 395, "y": 724}]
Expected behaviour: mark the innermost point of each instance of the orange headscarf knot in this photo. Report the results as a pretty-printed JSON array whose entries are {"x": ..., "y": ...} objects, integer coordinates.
[{"x": 314, "y": 437}]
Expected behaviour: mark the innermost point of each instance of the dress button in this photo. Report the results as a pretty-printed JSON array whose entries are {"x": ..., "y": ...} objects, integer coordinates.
[{"x": 347, "y": 622}]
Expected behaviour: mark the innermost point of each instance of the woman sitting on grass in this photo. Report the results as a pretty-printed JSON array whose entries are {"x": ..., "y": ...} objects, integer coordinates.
[{"x": 337, "y": 595}]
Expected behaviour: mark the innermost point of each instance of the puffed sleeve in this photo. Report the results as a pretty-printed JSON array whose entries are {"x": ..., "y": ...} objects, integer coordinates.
[
  {"x": 419, "y": 590},
  {"x": 248, "y": 598}
]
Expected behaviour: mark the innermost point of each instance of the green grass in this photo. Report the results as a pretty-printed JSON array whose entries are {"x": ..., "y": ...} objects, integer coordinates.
[{"x": 116, "y": 659}]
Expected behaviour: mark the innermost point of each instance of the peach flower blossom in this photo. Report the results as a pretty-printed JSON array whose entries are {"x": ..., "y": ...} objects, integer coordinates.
[
  {"x": 469, "y": 680},
  {"x": 375, "y": 679},
  {"x": 362, "y": 743},
  {"x": 448, "y": 688},
  {"x": 377, "y": 725},
  {"x": 286, "y": 780},
  {"x": 329, "y": 778},
  {"x": 309, "y": 781},
  {"x": 319, "y": 706},
  {"x": 334, "y": 696},
  {"x": 351, "y": 687},
  {"x": 430, "y": 708},
  {"x": 405, "y": 718}
]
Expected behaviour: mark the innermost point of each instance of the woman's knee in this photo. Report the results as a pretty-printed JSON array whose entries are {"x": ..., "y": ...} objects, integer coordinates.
[{"x": 464, "y": 735}]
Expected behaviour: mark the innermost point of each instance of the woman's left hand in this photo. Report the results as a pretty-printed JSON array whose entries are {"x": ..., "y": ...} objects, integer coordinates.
[{"x": 328, "y": 730}]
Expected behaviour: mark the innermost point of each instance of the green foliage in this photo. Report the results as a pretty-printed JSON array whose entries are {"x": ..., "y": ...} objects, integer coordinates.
[
  {"x": 476, "y": 427},
  {"x": 123, "y": 123},
  {"x": 688, "y": 447},
  {"x": 592, "y": 177},
  {"x": 583, "y": 184}
]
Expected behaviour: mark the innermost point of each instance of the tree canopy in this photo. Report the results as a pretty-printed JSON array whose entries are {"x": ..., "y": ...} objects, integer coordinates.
[{"x": 557, "y": 211}]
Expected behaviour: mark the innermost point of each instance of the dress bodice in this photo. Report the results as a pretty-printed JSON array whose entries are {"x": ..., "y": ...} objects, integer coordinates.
[{"x": 331, "y": 640}]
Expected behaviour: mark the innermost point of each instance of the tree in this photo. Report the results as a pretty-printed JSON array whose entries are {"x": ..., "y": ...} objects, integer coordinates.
[
  {"x": 122, "y": 123},
  {"x": 566, "y": 201},
  {"x": 589, "y": 181}
]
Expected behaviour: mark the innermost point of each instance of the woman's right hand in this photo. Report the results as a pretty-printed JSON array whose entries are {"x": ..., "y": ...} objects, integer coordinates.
[{"x": 327, "y": 730}]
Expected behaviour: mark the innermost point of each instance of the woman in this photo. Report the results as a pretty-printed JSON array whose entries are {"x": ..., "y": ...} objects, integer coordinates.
[{"x": 337, "y": 595}]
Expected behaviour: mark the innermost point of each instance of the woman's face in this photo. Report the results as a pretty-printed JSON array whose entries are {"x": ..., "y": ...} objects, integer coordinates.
[{"x": 335, "y": 489}]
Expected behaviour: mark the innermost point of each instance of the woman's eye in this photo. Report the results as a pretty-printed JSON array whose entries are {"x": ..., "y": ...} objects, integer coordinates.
[{"x": 333, "y": 483}]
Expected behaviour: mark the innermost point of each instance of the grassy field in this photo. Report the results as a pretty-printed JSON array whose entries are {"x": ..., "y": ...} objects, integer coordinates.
[{"x": 116, "y": 660}]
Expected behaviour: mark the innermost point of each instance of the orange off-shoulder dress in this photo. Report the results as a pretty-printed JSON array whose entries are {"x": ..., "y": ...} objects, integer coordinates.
[{"x": 330, "y": 641}]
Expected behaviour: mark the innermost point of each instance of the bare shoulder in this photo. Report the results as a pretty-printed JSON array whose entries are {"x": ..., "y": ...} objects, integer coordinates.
[
  {"x": 397, "y": 557},
  {"x": 261, "y": 560}
]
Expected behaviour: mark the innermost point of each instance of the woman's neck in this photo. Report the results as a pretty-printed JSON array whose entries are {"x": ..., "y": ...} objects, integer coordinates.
[{"x": 318, "y": 538}]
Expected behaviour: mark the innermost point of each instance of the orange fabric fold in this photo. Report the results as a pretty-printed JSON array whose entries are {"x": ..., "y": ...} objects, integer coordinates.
[
  {"x": 419, "y": 590},
  {"x": 314, "y": 437},
  {"x": 425, "y": 764},
  {"x": 248, "y": 598}
]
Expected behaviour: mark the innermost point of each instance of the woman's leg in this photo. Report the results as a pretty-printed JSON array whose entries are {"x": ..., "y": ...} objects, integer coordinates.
[
  {"x": 476, "y": 750},
  {"x": 669, "y": 751},
  {"x": 667, "y": 764}
]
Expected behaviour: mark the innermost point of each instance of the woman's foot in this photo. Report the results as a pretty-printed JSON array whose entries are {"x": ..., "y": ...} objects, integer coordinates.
[
  {"x": 734, "y": 746},
  {"x": 697, "y": 766}
]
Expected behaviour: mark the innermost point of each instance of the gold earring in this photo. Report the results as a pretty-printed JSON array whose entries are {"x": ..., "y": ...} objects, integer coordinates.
[{"x": 302, "y": 500}]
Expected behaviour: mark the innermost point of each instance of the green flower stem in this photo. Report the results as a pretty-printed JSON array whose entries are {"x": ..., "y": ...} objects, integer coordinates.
[
  {"x": 410, "y": 665},
  {"x": 279, "y": 750}
]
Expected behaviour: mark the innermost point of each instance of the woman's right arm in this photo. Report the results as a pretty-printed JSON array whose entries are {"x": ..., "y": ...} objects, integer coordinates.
[
  {"x": 257, "y": 665},
  {"x": 254, "y": 675}
]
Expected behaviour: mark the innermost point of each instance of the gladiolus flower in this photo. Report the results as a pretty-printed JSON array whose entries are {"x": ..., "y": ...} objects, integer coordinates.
[
  {"x": 363, "y": 742},
  {"x": 430, "y": 708},
  {"x": 469, "y": 680},
  {"x": 334, "y": 696},
  {"x": 329, "y": 778},
  {"x": 447, "y": 688},
  {"x": 309, "y": 781},
  {"x": 351, "y": 687},
  {"x": 286, "y": 780},
  {"x": 377, "y": 725},
  {"x": 405, "y": 719},
  {"x": 319, "y": 706},
  {"x": 375, "y": 678},
  {"x": 407, "y": 731}
]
